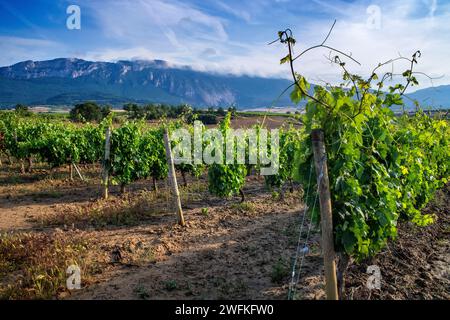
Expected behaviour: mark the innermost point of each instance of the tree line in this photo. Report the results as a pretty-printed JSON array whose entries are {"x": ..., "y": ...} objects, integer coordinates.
[{"x": 92, "y": 112}]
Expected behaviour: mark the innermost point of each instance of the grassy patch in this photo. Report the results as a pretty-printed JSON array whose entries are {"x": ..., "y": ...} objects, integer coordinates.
[
  {"x": 46, "y": 195},
  {"x": 276, "y": 196},
  {"x": 195, "y": 191},
  {"x": 227, "y": 289},
  {"x": 129, "y": 210},
  {"x": 170, "y": 285},
  {"x": 243, "y": 207},
  {"x": 280, "y": 270},
  {"x": 141, "y": 292},
  {"x": 33, "y": 266}
]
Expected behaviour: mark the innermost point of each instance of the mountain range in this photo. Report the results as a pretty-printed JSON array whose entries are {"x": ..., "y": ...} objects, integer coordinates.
[
  {"x": 65, "y": 82},
  {"x": 68, "y": 81}
]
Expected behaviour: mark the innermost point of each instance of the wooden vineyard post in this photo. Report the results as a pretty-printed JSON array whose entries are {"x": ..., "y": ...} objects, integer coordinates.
[
  {"x": 173, "y": 178},
  {"x": 320, "y": 162},
  {"x": 71, "y": 171},
  {"x": 106, "y": 163},
  {"x": 78, "y": 172}
]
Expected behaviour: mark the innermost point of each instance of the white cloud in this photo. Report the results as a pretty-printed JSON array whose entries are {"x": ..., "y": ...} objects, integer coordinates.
[
  {"x": 114, "y": 54},
  {"x": 207, "y": 38},
  {"x": 181, "y": 33},
  {"x": 237, "y": 12},
  {"x": 150, "y": 19},
  {"x": 406, "y": 26},
  {"x": 15, "y": 49}
]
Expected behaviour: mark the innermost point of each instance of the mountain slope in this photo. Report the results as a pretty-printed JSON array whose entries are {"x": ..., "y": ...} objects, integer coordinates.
[
  {"x": 67, "y": 81},
  {"x": 437, "y": 97}
]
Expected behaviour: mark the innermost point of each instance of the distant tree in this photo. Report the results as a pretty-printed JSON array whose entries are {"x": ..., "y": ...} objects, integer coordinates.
[
  {"x": 221, "y": 112},
  {"x": 207, "y": 118},
  {"x": 164, "y": 110},
  {"x": 157, "y": 111},
  {"x": 86, "y": 112},
  {"x": 22, "y": 110},
  {"x": 153, "y": 112},
  {"x": 106, "y": 111},
  {"x": 186, "y": 113},
  {"x": 134, "y": 111},
  {"x": 232, "y": 110}
]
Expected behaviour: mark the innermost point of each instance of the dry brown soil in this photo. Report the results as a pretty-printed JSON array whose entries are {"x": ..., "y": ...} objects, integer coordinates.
[{"x": 227, "y": 250}]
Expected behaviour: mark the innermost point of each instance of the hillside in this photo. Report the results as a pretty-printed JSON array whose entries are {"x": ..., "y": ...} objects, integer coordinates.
[{"x": 68, "y": 81}]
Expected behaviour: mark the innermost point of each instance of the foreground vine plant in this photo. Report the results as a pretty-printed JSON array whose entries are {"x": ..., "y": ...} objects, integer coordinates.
[{"x": 382, "y": 168}]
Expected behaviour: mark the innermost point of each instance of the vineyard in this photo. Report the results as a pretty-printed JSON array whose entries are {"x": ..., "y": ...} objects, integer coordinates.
[
  {"x": 137, "y": 151},
  {"x": 247, "y": 235},
  {"x": 383, "y": 170}
]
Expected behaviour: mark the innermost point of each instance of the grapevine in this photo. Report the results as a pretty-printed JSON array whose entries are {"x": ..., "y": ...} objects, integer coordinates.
[
  {"x": 227, "y": 179},
  {"x": 381, "y": 168}
]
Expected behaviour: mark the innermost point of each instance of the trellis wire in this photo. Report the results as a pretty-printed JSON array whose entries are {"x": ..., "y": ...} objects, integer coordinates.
[
  {"x": 293, "y": 284},
  {"x": 305, "y": 245},
  {"x": 294, "y": 267}
]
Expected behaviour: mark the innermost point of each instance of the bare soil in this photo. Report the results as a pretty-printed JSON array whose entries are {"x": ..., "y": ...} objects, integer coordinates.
[
  {"x": 227, "y": 251},
  {"x": 416, "y": 266}
]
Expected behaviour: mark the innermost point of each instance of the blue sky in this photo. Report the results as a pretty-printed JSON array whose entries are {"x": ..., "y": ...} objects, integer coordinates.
[{"x": 231, "y": 35}]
